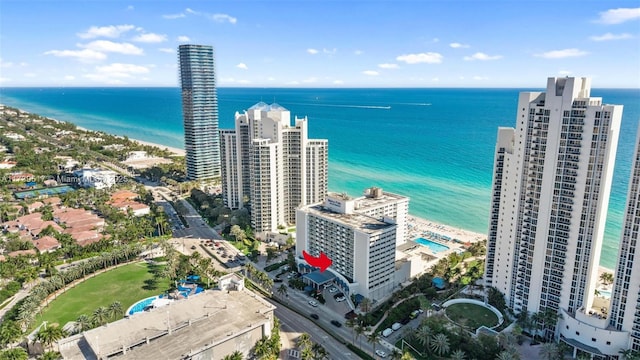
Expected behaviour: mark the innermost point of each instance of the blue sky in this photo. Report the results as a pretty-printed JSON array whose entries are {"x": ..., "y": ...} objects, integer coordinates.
[{"x": 331, "y": 43}]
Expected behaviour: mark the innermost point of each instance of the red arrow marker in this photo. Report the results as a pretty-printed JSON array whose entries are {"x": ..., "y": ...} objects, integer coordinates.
[{"x": 322, "y": 261}]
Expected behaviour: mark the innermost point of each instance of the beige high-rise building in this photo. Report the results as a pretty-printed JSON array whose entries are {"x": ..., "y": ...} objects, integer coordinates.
[
  {"x": 551, "y": 185},
  {"x": 271, "y": 166}
]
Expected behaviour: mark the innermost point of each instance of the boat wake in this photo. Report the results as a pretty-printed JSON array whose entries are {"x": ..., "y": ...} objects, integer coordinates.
[{"x": 347, "y": 106}]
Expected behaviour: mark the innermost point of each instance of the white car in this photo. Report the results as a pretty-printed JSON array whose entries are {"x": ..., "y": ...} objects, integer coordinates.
[
  {"x": 332, "y": 290},
  {"x": 341, "y": 299},
  {"x": 381, "y": 353},
  {"x": 313, "y": 303}
]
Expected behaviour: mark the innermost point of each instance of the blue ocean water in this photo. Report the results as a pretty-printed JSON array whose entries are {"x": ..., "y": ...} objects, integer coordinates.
[{"x": 434, "y": 145}]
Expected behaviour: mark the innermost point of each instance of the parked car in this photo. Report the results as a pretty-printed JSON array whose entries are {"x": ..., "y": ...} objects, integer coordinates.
[
  {"x": 332, "y": 290},
  {"x": 381, "y": 353},
  {"x": 315, "y": 316},
  {"x": 386, "y": 332},
  {"x": 193, "y": 247},
  {"x": 336, "y": 323},
  {"x": 396, "y": 326},
  {"x": 313, "y": 303},
  {"x": 341, "y": 299}
]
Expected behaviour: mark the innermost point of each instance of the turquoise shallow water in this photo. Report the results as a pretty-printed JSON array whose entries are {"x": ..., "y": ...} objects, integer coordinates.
[{"x": 434, "y": 145}]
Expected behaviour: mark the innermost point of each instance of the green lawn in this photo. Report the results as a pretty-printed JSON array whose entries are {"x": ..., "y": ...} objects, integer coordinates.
[
  {"x": 471, "y": 316},
  {"x": 126, "y": 284}
]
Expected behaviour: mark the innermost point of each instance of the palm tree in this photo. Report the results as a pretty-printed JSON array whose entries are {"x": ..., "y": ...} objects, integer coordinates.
[
  {"x": 48, "y": 334},
  {"x": 395, "y": 354},
  {"x": 365, "y": 305},
  {"x": 14, "y": 354},
  {"x": 373, "y": 339},
  {"x": 319, "y": 352},
  {"x": 83, "y": 322},
  {"x": 359, "y": 330},
  {"x": 50, "y": 355},
  {"x": 100, "y": 316},
  {"x": 304, "y": 340},
  {"x": 458, "y": 355},
  {"x": 236, "y": 355},
  {"x": 424, "y": 335},
  {"x": 115, "y": 310},
  {"x": 306, "y": 354},
  {"x": 548, "y": 351},
  {"x": 440, "y": 344},
  {"x": 606, "y": 278},
  {"x": 282, "y": 290},
  {"x": 9, "y": 332},
  {"x": 506, "y": 355}
]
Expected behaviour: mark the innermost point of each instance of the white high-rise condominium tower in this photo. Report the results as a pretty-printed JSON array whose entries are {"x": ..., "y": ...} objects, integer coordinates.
[
  {"x": 272, "y": 166},
  {"x": 625, "y": 299},
  {"x": 551, "y": 184},
  {"x": 200, "y": 111}
]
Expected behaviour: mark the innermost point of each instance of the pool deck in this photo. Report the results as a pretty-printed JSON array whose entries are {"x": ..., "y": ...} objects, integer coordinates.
[{"x": 419, "y": 227}]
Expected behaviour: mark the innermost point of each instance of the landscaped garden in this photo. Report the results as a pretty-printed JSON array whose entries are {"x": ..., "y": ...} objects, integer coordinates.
[
  {"x": 126, "y": 284},
  {"x": 471, "y": 316}
]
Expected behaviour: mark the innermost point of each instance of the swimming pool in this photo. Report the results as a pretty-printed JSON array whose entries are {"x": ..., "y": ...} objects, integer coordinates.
[
  {"x": 141, "y": 305},
  {"x": 605, "y": 293},
  {"x": 434, "y": 246}
]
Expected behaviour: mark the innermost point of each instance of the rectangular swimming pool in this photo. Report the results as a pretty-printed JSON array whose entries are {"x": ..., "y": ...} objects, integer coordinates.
[{"x": 434, "y": 246}]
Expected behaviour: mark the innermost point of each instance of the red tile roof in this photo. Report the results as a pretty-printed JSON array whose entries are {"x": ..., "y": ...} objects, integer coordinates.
[{"x": 46, "y": 243}]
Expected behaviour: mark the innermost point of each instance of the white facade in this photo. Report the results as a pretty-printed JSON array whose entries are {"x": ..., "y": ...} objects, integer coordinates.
[
  {"x": 359, "y": 236},
  {"x": 551, "y": 185},
  {"x": 96, "y": 178},
  {"x": 625, "y": 299},
  {"x": 272, "y": 166}
]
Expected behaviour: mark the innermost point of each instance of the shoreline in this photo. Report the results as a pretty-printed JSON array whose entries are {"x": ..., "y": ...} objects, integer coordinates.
[
  {"x": 174, "y": 150},
  {"x": 420, "y": 224}
]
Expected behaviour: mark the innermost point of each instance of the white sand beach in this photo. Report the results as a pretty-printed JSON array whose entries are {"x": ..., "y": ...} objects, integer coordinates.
[
  {"x": 419, "y": 227},
  {"x": 175, "y": 151}
]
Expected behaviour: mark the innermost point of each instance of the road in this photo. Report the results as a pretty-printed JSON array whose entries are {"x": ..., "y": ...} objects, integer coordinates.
[{"x": 292, "y": 325}]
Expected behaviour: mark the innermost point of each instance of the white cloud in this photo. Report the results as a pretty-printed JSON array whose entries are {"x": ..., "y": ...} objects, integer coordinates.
[
  {"x": 4, "y": 80},
  {"x": 115, "y": 73},
  {"x": 292, "y": 83},
  {"x": 426, "y": 58},
  {"x": 24, "y": 63},
  {"x": 456, "y": 45},
  {"x": 564, "y": 72},
  {"x": 271, "y": 78},
  {"x": 224, "y": 18},
  {"x": 130, "y": 7},
  {"x": 86, "y": 55},
  {"x": 618, "y": 16},
  {"x": 312, "y": 51},
  {"x": 371, "y": 73},
  {"x": 167, "y": 50},
  {"x": 388, "y": 66},
  {"x": 480, "y": 78},
  {"x": 30, "y": 75},
  {"x": 122, "y": 70},
  {"x": 242, "y": 81},
  {"x": 610, "y": 36},
  {"x": 310, "y": 80},
  {"x": 435, "y": 79},
  {"x": 112, "y": 31},
  {"x": 242, "y": 66},
  {"x": 150, "y": 38},
  {"x": 5, "y": 64},
  {"x": 174, "y": 16},
  {"x": 338, "y": 82},
  {"x": 110, "y": 46},
  {"x": 560, "y": 54},
  {"x": 358, "y": 52},
  {"x": 330, "y": 51},
  {"x": 482, "y": 57},
  {"x": 183, "y": 38},
  {"x": 435, "y": 40},
  {"x": 69, "y": 77}
]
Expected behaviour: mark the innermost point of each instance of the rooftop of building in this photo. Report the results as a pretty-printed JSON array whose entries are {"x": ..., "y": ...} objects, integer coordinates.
[
  {"x": 262, "y": 106},
  {"x": 357, "y": 221},
  {"x": 197, "y": 322}
]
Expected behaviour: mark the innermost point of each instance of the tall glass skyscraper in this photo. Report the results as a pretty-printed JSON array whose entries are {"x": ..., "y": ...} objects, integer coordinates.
[{"x": 200, "y": 111}]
